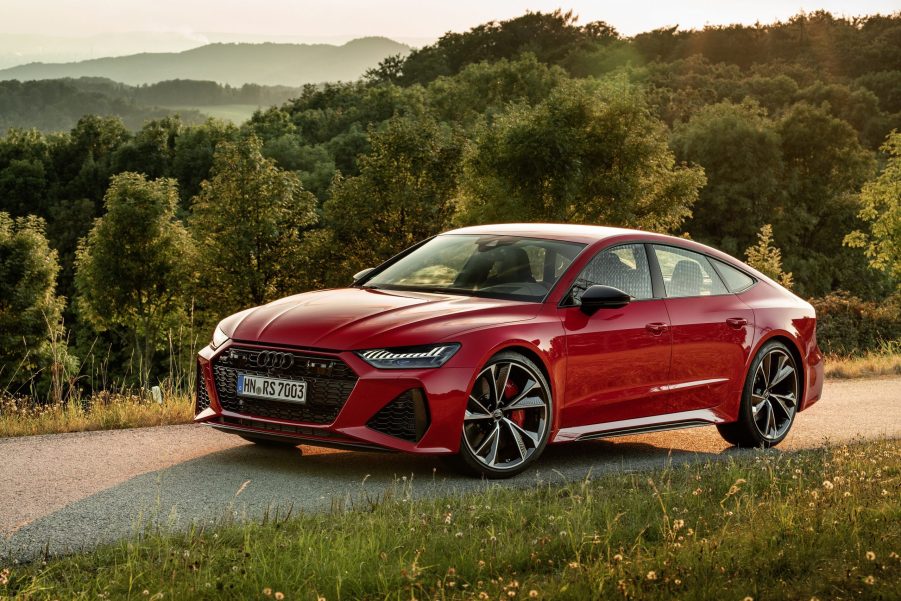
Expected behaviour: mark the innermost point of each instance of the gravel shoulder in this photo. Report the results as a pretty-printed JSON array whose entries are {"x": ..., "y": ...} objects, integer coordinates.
[{"x": 71, "y": 491}]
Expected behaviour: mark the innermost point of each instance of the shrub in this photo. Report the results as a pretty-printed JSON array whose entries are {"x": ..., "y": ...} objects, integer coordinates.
[{"x": 848, "y": 325}]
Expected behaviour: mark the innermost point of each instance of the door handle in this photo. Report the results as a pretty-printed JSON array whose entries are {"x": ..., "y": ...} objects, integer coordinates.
[
  {"x": 657, "y": 328},
  {"x": 737, "y": 322}
]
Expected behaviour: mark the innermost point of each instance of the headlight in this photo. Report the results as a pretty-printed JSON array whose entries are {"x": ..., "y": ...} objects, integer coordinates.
[
  {"x": 411, "y": 357},
  {"x": 219, "y": 338}
]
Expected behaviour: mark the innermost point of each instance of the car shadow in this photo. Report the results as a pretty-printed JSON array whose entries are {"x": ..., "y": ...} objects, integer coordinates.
[{"x": 250, "y": 482}]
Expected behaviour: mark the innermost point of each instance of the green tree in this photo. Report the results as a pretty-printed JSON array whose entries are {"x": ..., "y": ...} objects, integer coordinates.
[
  {"x": 740, "y": 152},
  {"x": 592, "y": 152},
  {"x": 766, "y": 258},
  {"x": 405, "y": 192},
  {"x": 134, "y": 268},
  {"x": 249, "y": 218},
  {"x": 881, "y": 200},
  {"x": 30, "y": 311},
  {"x": 825, "y": 167}
]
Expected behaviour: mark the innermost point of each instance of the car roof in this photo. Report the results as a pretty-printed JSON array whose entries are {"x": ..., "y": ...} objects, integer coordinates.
[{"x": 557, "y": 231}]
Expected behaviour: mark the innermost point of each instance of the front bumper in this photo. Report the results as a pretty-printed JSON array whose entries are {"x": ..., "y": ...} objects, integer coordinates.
[{"x": 381, "y": 405}]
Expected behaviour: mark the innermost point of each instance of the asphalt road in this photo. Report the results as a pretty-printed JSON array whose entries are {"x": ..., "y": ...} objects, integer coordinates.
[{"x": 66, "y": 492}]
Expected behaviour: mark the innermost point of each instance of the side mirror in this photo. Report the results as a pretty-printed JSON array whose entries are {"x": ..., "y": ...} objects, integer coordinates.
[
  {"x": 603, "y": 297},
  {"x": 362, "y": 274}
]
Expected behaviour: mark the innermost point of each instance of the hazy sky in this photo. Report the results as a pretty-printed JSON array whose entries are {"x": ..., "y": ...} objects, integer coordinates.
[{"x": 409, "y": 19}]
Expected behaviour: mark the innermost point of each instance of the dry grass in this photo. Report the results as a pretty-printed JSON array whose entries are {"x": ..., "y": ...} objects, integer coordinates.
[
  {"x": 863, "y": 367},
  {"x": 23, "y": 417}
]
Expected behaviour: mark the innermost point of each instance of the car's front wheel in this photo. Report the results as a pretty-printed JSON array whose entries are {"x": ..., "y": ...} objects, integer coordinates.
[
  {"x": 769, "y": 400},
  {"x": 508, "y": 417}
]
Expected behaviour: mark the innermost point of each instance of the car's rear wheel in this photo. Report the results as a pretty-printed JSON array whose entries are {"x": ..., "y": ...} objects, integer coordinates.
[
  {"x": 769, "y": 400},
  {"x": 508, "y": 417},
  {"x": 269, "y": 442}
]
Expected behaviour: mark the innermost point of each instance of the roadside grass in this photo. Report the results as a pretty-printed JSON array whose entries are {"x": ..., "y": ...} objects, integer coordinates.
[
  {"x": 823, "y": 524},
  {"x": 24, "y": 417},
  {"x": 871, "y": 365}
]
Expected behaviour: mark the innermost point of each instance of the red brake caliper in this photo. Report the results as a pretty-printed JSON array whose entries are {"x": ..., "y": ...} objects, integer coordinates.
[{"x": 518, "y": 416}]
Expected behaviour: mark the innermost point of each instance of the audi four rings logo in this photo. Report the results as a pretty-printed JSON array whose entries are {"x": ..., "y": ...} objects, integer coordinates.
[{"x": 274, "y": 359}]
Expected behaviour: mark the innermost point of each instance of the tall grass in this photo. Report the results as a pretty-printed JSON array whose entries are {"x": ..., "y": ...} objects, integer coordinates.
[
  {"x": 884, "y": 361},
  {"x": 80, "y": 394},
  {"x": 820, "y": 524}
]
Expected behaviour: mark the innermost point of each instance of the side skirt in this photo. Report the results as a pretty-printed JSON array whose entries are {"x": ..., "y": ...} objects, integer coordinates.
[{"x": 641, "y": 425}]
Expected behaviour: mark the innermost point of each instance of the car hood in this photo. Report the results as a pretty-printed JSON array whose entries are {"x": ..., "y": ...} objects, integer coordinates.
[{"x": 359, "y": 318}]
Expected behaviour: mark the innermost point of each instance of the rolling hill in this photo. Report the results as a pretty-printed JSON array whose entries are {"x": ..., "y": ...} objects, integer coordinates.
[{"x": 234, "y": 64}]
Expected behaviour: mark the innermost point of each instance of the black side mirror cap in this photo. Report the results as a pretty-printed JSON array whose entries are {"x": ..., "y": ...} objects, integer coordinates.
[{"x": 603, "y": 297}]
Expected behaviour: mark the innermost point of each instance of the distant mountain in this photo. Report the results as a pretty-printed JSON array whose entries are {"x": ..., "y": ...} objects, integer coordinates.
[{"x": 234, "y": 64}]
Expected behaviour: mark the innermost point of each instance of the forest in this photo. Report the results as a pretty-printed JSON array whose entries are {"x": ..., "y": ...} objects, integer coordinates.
[{"x": 777, "y": 143}]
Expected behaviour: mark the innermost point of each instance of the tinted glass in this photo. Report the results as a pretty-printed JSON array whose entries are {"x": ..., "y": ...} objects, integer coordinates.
[
  {"x": 687, "y": 273},
  {"x": 735, "y": 280},
  {"x": 624, "y": 267},
  {"x": 493, "y": 266}
]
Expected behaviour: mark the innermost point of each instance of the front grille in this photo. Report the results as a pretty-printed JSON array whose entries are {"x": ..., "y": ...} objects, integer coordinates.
[
  {"x": 203, "y": 397},
  {"x": 406, "y": 417},
  {"x": 329, "y": 383}
]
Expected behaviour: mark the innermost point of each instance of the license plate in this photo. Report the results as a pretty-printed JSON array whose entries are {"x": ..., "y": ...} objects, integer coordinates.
[{"x": 272, "y": 389}]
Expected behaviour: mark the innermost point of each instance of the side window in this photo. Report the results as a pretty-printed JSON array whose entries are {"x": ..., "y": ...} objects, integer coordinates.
[
  {"x": 624, "y": 267},
  {"x": 687, "y": 273},
  {"x": 735, "y": 280}
]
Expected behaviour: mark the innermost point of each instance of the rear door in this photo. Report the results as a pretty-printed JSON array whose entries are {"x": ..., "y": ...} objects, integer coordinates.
[
  {"x": 712, "y": 331},
  {"x": 618, "y": 360}
]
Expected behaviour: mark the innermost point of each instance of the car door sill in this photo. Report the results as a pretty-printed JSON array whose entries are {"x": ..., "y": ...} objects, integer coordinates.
[{"x": 640, "y": 425}]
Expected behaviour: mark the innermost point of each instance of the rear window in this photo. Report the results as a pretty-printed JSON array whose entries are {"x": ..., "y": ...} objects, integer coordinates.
[{"x": 735, "y": 279}]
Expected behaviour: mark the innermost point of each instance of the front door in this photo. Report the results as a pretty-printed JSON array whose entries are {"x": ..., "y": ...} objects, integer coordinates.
[{"x": 618, "y": 359}]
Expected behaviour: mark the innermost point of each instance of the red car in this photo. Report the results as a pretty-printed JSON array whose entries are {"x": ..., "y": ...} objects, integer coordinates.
[{"x": 491, "y": 342}]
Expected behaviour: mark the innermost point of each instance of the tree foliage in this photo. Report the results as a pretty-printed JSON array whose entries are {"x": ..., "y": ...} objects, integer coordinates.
[
  {"x": 881, "y": 200},
  {"x": 404, "y": 193},
  {"x": 30, "y": 311},
  {"x": 248, "y": 219},
  {"x": 590, "y": 153},
  {"x": 134, "y": 268},
  {"x": 766, "y": 258}
]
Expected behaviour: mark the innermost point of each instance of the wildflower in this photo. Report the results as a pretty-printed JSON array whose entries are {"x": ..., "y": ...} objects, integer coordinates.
[
  {"x": 846, "y": 494},
  {"x": 870, "y": 580},
  {"x": 618, "y": 557},
  {"x": 677, "y": 581},
  {"x": 697, "y": 491},
  {"x": 748, "y": 598},
  {"x": 511, "y": 593},
  {"x": 678, "y": 524},
  {"x": 267, "y": 591},
  {"x": 574, "y": 565},
  {"x": 481, "y": 564},
  {"x": 871, "y": 556},
  {"x": 483, "y": 595},
  {"x": 533, "y": 594},
  {"x": 652, "y": 575},
  {"x": 320, "y": 598},
  {"x": 279, "y": 595},
  {"x": 884, "y": 493},
  {"x": 893, "y": 555},
  {"x": 828, "y": 485}
]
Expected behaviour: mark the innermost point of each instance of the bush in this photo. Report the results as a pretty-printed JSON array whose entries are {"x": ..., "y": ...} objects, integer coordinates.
[{"x": 848, "y": 325}]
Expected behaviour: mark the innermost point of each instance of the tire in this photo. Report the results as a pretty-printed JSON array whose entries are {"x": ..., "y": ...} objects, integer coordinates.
[
  {"x": 506, "y": 426},
  {"x": 769, "y": 400},
  {"x": 269, "y": 442}
]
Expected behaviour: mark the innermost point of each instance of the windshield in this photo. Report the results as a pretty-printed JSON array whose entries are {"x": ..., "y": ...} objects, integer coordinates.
[{"x": 493, "y": 266}]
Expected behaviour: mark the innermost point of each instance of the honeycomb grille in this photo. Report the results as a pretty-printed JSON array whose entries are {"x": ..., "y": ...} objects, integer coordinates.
[
  {"x": 406, "y": 417},
  {"x": 329, "y": 383},
  {"x": 203, "y": 397}
]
